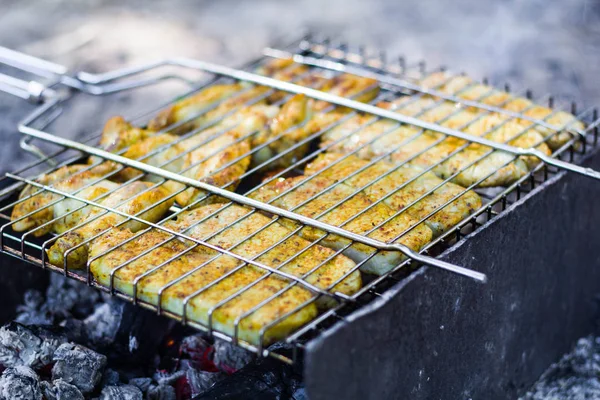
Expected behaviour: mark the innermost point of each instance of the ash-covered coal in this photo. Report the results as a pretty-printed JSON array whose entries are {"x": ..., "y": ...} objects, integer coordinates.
[
  {"x": 64, "y": 298},
  {"x": 264, "y": 379},
  {"x": 123, "y": 392},
  {"x": 78, "y": 366},
  {"x": 74, "y": 343},
  {"x": 230, "y": 357},
  {"x": 61, "y": 390},
  {"x": 31, "y": 347},
  {"x": 575, "y": 377},
  {"x": 20, "y": 383},
  {"x": 124, "y": 332}
]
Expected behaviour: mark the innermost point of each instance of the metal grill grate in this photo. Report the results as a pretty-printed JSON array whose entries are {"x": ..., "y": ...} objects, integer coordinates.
[{"x": 276, "y": 260}]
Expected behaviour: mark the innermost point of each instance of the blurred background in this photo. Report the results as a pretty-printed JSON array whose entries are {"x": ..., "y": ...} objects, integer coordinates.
[{"x": 550, "y": 46}]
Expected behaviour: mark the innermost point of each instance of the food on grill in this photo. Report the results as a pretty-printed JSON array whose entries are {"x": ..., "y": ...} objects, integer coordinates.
[
  {"x": 338, "y": 204},
  {"x": 249, "y": 234},
  {"x": 138, "y": 199},
  {"x": 284, "y": 131},
  {"x": 196, "y": 109},
  {"x": 221, "y": 154},
  {"x": 160, "y": 150},
  {"x": 220, "y": 163},
  {"x": 466, "y": 88},
  {"x": 473, "y": 162},
  {"x": 119, "y": 134},
  {"x": 350, "y": 86},
  {"x": 467, "y": 164},
  {"x": 402, "y": 186},
  {"x": 70, "y": 212},
  {"x": 190, "y": 107},
  {"x": 239, "y": 291},
  {"x": 36, "y": 209}
]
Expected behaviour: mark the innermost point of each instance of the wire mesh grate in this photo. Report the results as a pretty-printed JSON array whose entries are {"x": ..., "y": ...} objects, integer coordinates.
[{"x": 260, "y": 215}]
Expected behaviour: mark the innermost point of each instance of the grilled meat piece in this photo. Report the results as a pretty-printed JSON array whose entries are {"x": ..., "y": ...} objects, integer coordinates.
[
  {"x": 37, "y": 209},
  {"x": 338, "y": 204},
  {"x": 70, "y": 212},
  {"x": 296, "y": 121},
  {"x": 466, "y": 88},
  {"x": 119, "y": 134},
  {"x": 248, "y": 285},
  {"x": 284, "y": 131},
  {"x": 402, "y": 186},
  {"x": 131, "y": 200},
  {"x": 220, "y": 155},
  {"x": 220, "y": 163},
  {"x": 191, "y": 107},
  {"x": 349, "y": 86},
  {"x": 165, "y": 154}
]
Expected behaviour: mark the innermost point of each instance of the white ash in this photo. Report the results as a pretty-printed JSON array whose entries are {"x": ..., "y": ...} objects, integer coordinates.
[
  {"x": 79, "y": 366},
  {"x": 141, "y": 383},
  {"x": 110, "y": 377},
  {"x": 194, "y": 345},
  {"x": 20, "y": 346},
  {"x": 161, "y": 392},
  {"x": 201, "y": 381},
  {"x": 20, "y": 383},
  {"x": 63, "y": 299},
  {"x": 33, "y": 311},
  {"x": 133, "y": 344},
  {"x": 123, "y": 392},
  {"x": 300, "y": 394},
  {"x": 61, "y": 390},
  {"x": 229, "y": 358},
  {"x": 101, "y": 326},
  {"x": 167, "y": 378},
  {"x": 575, "y": 377}
]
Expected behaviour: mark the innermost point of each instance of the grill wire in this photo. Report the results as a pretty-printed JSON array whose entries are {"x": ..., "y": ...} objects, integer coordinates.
[{"x": 26, "y": 246}]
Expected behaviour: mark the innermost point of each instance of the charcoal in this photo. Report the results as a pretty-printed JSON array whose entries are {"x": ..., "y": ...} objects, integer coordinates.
[
  {"x": 167, "y": 378},
  {"x": 161, "y": 392},
  {"x": 78, "y": 366},
  {"x": 263, "y": 379},
  {"x": 74, "y": 329},
  {"x": 200, "y": 381},
  {"x": 142, "y": 383},
  {"x": 33, "y": 311},
  {"x": 20, "y": 383},
  {"x": 194, "y": 346},
  {"x": 68, "y": 297},
  {"x": 230, "y": 358},
  {"x": 575, "y": 377},
  {"x": 24, "y": 346},
  {"x": 101, "y": 327},
  {"x": 64, "y": 298},
  {"x": 61, "y": 390},
  {"x": 125, "y": 333},
  {"x": 123, "y": 392},
  {"x": 300, "y": 394},
  {"x": 110, "y": 377}
]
